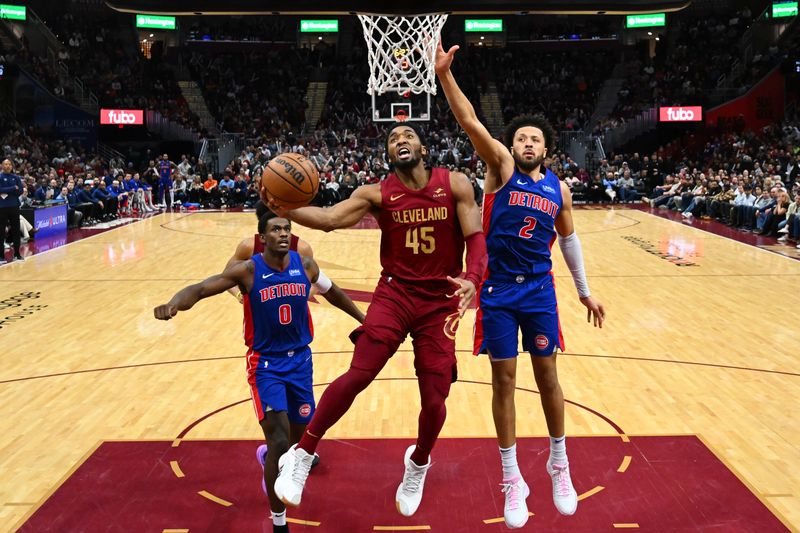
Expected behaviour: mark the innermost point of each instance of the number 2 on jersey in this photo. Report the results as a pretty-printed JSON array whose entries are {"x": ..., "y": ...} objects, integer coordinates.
[
  {"x": 421, "y": 240},
  {"x": 285, "y": 314},
  {"x": 530, "y": 224}
]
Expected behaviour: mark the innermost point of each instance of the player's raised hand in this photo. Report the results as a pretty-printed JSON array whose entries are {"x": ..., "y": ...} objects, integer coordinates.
[
  {"x": 444, "y": 59},
  {"x": 594, "y": 309},
  {"x": 278, "y": 209},
  {"x": 165, "y": 312},
  {"x": 465, "y": 293}
]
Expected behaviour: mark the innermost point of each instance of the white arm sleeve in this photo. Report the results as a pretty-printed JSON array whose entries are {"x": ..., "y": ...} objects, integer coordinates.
[
  {"x": 571, "y": 249},
  {"x": 323, "y": 283}
]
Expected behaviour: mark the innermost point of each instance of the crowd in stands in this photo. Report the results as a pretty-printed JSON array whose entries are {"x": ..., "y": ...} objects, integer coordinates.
[
  {"x": 262, "y": 95},
  {"x": 562, "y": 85},
  {"x": 54, "y": 171},
  {"x": 255, "y": 93},
  {"x": 749, "y": 181},
  {"x": 36, "y": 65},
  {"x": 103, "y": 52},
  {"x": 695, "y": 56},
  {"x": 100, "y": 48},
  {"x": 688, "y": 63},
  {"x": 242, "y": 28}
]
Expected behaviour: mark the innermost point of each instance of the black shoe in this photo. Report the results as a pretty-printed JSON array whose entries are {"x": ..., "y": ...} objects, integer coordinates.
[
  {"x": 19, "y": 258},
  {"x": 280, "y": 529}
]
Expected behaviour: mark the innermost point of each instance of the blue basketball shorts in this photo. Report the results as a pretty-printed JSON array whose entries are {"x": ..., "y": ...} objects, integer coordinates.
[
  {"x": 506, "y": 308},
  {"x": 283, "y": 383}
]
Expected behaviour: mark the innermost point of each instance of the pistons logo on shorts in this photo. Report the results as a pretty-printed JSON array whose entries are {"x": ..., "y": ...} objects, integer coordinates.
[
  {"x": 304, "y": 410},
  {"x": 541, "y": 342}
]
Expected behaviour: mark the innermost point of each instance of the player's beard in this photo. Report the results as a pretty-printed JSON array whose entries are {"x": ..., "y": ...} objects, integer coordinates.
[
  {"x": 527, "y": 166},
  {"x": 408, "y": 164}
]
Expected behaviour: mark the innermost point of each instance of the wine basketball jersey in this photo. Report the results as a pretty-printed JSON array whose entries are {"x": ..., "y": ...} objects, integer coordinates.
[{"x": 421, "y": 238}]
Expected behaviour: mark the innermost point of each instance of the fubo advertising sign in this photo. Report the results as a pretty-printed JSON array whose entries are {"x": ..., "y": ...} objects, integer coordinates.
[
  {"x": 122, "y": 117},
  {"x": 680, "y": 114}
]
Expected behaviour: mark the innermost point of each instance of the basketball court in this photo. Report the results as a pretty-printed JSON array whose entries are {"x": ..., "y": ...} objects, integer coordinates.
[{"x": 679, "y": 410}]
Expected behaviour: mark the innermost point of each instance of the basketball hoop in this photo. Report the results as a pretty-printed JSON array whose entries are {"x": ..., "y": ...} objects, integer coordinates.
[{"x": 401, "y": 52}]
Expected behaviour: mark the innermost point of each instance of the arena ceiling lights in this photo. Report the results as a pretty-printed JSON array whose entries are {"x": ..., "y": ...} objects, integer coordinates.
[
  {"x": 155, "y": 22},
  {"x": 407, "y": 7},
  {"x": 784, "y": 9},
  {"x": 319, "y": 26},
  {"x": 651, "y": 20},
  {"x": 483, "y": 25},
  {"x": 11, "y": 12}
]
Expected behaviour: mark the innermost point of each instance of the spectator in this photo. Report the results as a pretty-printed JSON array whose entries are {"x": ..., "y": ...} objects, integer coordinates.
[
  {"x": 627, "y": 188},
  {"x": 210, "y": 196},
  {"x": 118, "y": 191},
  {"x": 86, "y": 197},
  {"x": 226, "y": 186},
  {"x": 239, "y": 194},
  {"x": 179, "y": 188},
  {"x": 10, "y": 189}
]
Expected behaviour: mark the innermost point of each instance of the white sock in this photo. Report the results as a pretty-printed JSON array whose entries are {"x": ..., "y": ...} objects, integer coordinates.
[
  {"x": 558, "y": 450},
  {"x": 279, "y": 519},
  {"x": 508, "y": 456}
]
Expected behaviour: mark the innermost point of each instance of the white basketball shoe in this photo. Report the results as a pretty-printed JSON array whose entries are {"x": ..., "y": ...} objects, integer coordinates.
[
  {"x": 409, "y": 493},
  {"x": 564, "y": 496},
  {"x": 293, "y": 469},
  {"x": 515, "y": 511}
]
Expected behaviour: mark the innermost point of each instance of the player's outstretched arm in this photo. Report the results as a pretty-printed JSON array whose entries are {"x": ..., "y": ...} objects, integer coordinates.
[
  {"x": 239, "y": 274},
  {"x": 330, "y": 291},
  {"x": 573, "y": 255},
  {"x": 491, "y": 150},
  {"x": 342, "y": 215}
]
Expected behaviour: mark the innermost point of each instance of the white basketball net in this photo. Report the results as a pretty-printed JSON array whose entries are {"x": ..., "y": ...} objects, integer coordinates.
[{"x": 402, "y": 52}]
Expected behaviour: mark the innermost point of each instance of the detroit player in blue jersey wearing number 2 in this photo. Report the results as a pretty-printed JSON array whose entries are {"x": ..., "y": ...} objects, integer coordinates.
[
  {"x": 275, "y": 285},
  {"x": 525, "y": 208}
]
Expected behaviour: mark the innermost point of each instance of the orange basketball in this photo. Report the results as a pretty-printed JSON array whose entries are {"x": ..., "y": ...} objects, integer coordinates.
[{"x": 290, "y": 179}]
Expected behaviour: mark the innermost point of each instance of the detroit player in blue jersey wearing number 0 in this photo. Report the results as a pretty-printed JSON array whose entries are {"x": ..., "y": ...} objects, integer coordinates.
[
  {"x": 275, "y": 286},
  {"x": 525, "y": 208}
]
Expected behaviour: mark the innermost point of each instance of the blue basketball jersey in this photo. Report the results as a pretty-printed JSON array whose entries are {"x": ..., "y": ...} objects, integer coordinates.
[
  {"x": 164, "y": 169},
  {"x": 276, "y": 314},
  {"x": 519, "y": 223}
]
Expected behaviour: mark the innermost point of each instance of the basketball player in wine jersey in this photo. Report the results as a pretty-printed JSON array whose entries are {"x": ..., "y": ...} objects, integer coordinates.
[
  {"x": 525, "y": 208},
  {"x": 426, "y": 215},
  {"x": 277, "y": 330}
]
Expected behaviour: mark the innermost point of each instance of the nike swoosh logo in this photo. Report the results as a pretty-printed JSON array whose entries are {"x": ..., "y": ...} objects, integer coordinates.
[
  {"x": 522, "y": 182},
  {"x": 396, "y": 196},
  {"x": 265, "y": 276}
]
